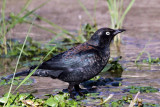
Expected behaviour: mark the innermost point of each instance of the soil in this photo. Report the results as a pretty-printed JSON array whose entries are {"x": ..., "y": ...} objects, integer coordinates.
[{"x": 143, "y": 29}]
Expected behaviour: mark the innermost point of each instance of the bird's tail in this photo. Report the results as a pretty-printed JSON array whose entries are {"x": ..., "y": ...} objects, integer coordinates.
[
  {"x": 38, "y": 72},
  {"x": 23, "y": 73}
]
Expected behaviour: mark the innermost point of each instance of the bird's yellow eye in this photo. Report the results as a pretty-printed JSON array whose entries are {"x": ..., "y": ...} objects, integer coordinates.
[{"x": 107, "y": 33}]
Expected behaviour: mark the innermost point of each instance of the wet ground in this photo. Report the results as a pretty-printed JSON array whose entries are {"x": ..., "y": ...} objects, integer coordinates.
[{"x": 143, "y": 29}]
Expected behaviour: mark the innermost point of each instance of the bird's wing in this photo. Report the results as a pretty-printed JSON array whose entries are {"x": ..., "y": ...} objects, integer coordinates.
[
  {"x": 75, "y": 67},
  {"x": 55, "y": 63},
  {"x": 70, "y": 63},
  {"x": 74, "y": 57}
]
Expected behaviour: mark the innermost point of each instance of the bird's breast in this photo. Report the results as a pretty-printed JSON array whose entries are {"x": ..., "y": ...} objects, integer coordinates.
[{"x": 94, "y": 65}]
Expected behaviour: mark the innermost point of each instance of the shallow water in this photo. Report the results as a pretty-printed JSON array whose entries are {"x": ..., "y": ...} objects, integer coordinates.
[{"x": 142, "y": 30}]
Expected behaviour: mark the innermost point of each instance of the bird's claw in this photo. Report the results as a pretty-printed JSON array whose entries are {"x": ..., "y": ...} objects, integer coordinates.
[
  {"x": 81, "y": 94},
  {"x": 72, "y": 96}
]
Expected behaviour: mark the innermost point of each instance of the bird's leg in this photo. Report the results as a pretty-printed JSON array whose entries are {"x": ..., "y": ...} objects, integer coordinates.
[
  {"x": 70, "y": 90},
  {"x": 77, "y": 88}
]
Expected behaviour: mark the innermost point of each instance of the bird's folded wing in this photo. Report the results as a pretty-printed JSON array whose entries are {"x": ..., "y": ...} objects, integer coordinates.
[{"x": 67, "y": 63}]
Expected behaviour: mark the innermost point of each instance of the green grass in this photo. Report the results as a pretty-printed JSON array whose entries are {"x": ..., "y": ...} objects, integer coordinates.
[
  {"x": 17, "y": 81},
  {"x": 26, "y": 99},
  {"x": 25, "y": 16},
  {"x": 144, "y": 52},
  {"x": 35, "y": 69},
  {"x": 118, "y": 14},
  {"x": 7, "y": 25},
  {"x": 152, "y": 60},
  {"x": 148, "y": 60},
  {"x": 21, "y": 52},
  {"x": 86, "y": 11},
  {"x": 62, "y": 100},
  {"x": 3, "y": 28},
  {"x": 145, "y": 89},
  {"x": 140, "y": 55},
  {"x": 10, "y": 89}
]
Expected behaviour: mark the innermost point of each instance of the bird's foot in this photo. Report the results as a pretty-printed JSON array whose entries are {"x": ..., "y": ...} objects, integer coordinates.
[
  {"x": 81, "y": 94},
  {"x": 72, "y": 96}
]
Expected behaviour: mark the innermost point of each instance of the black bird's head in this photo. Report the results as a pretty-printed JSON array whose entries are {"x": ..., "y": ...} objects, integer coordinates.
[{"x": 103, "y": 37}]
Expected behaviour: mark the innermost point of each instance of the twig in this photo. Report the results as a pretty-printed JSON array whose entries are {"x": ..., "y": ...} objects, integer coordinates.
[
  {"x": 108, "y": 98},
  {"x": 133, "y": 101}
]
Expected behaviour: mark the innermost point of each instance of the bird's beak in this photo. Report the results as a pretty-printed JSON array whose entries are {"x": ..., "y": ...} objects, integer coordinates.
[{"x": 118, "y": 31}]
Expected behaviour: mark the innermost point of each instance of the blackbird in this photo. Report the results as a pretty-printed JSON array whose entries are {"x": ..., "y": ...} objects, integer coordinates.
[{"x": 79, "y": 63}]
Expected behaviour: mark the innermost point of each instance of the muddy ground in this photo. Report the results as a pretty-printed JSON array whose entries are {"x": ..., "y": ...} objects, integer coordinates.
[{"x": 142, "y": 24}]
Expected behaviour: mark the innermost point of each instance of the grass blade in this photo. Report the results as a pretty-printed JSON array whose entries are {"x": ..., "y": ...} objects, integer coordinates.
[
  {"x": 34, "y": 69},
  {"x": 4, "y": 27},
  {"x": 26, "y": 15},
  {"x": 143, "y": 51},
  {"x": 24, "y": 8},
  {"x": 17, "y": 64},
  {"x": 132, "y": 103},
  {"x": 126, "y": 11},
  {"x": 41, "y": 27},
  {"x": 86, "y": 11},
  {"x": 54, "y": 25}
]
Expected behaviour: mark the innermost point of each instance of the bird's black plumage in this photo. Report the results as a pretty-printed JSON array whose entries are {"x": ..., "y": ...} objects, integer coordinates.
[{"x": 79, "y": 63}]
